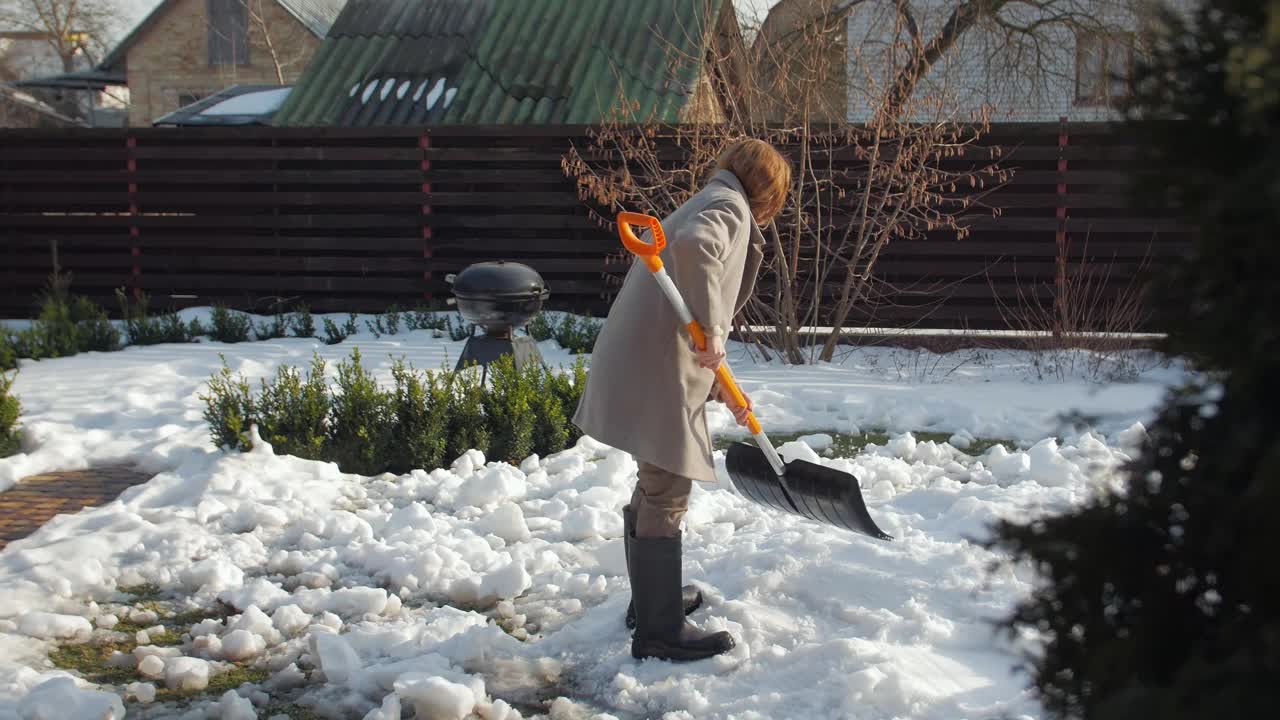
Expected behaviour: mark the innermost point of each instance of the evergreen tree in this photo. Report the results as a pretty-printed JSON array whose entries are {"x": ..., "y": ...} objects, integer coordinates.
[{"x": 1163, "y": 600}]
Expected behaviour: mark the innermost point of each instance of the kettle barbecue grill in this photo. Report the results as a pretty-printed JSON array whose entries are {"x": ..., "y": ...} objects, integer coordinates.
[{"x": 499, "y": 297}]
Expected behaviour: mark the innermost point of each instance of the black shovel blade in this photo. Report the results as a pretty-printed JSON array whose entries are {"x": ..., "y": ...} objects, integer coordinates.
[{"x": 810, "y": 490}]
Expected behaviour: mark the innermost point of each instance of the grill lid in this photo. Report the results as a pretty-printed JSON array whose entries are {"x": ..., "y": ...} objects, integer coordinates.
[{"x": 500, "y": 279}]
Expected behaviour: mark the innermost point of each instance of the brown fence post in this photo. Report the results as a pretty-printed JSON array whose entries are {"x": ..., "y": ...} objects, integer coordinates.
[
  {"x": 1060, "y": 274},
  {"x": 135, "y": 245},
  {"x": 424, "y": 143}
]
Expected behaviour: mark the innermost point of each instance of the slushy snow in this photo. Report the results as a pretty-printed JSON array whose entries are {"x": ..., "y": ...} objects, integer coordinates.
[{"x": 483, "y": 587}]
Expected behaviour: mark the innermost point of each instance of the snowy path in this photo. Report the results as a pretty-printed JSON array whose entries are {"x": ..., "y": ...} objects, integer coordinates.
[{"x": 415, "y": 570}]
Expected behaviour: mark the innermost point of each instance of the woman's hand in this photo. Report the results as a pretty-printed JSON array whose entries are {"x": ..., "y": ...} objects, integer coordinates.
[
  {"x": 739, "y": 412},
  {"x": 713, "y": 355}
]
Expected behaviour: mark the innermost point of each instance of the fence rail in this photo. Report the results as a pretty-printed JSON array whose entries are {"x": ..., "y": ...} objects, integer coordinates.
[{"x": 265, "y": 218}]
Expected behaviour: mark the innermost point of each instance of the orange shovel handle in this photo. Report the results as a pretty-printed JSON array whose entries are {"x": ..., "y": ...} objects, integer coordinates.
[
  {"x": 648, "y": 252},
  {"x": 739, "y": 400}
]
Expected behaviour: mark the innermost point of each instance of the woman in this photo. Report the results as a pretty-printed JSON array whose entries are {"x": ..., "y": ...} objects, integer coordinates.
[{"x": 648, "y": 387}]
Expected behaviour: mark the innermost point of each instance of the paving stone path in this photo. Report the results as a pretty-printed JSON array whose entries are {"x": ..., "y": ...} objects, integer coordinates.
[{"x": 38, "y": 498}]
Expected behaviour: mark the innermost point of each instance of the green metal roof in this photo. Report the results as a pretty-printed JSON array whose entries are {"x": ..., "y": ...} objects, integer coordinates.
[{"x": 423, "y": 62}]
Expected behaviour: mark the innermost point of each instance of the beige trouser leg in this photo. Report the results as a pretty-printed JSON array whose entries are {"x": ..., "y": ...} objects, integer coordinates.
[{"x": 660, "y": 501}]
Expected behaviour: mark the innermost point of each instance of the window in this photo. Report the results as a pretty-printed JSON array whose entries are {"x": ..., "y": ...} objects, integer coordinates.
[
  {"x": 187, "y": 98},
  {"x": 1104, "y": 66},
  {"x": 228, "y": 32}
]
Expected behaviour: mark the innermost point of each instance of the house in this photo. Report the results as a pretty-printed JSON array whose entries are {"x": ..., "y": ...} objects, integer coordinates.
[
  {"x": 186, "y": 50},
  {"x": 25, "y": 54},
  {"x": 19, "y": 109},
  {"x": 1079, "y": 70},
  {"x": 423, "y": 62}
]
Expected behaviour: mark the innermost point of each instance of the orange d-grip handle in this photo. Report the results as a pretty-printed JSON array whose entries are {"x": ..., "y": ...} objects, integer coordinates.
[{"x": 648, "y": 252}]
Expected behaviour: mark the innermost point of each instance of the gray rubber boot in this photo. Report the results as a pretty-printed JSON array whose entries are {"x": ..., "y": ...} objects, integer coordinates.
[
  {"x": 661, "y": 630},
  {"x": 692, "y": 595}
]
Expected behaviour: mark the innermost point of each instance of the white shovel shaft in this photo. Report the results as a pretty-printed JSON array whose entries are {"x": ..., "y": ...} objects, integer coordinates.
[
  {"x": 677, "y": 301},
  {"x": 769, "y": 452},
  {"x": 673, "y": 294}
]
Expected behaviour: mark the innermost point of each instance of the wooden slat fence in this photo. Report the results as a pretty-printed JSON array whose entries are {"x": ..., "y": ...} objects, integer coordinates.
[{"x": 263, "y": 218}]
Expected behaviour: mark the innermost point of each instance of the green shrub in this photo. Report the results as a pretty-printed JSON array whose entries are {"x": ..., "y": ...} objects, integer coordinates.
[
  {"x": 552, "y": 428},
  {"x": 459, "y": 330},
  {"x": 334, "y": 333},
  {"x": 229, "y": 326},
  {"x": 468, "y": 426},
  {"x": 421, "y": 429},
  {"x": 277, "y": 328},
  {"x": 577, "y": 335},
  {"x": 541, "y": 328},
  {"x": 301, "y": 324},
  {"x": 509, "y": 406},
  {"x": 54, "y": 327},
  {"x": 25, "y": 343},
  {"x": 388, "y": 323},
  {"x": 424, "y": 318},
  {"x": 145, "y": 329},
  {"x": 292, "y": 414},
  {"x": 67, "y": 324},
  {"x": 94, "y": 330},
  {"x": 9, "y": 411},
  {"x": 424, "y": 420},
  {"x": 360, "y": 424},
  {"x": 8, "y": 351},
  {"x": 568, "y": 388},
  {"x": 229, "y": 410}
]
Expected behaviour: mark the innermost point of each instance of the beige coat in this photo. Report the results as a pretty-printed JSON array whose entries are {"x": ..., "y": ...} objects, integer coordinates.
[{"x": 645, "y": 393}]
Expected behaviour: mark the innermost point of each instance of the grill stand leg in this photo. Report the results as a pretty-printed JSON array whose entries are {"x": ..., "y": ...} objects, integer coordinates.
[{"x": 484, "y": 349}]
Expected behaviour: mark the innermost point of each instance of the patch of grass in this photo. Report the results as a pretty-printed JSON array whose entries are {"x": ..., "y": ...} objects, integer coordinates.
[
  {"x": 145, "y": 593},
  {"x": 90, "y": 662},
  {"x": 294, "y": 712},
  {"x": 176, "y": 622},
  {"x": 848, "y": 445},
  {"x": 218, "y": 684},
  {"x": 171, "y": 637},
  {"x": 185, "y": 619}
]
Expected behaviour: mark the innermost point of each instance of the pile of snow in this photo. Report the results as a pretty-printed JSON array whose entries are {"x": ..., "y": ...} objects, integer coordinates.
[
  {"x": 62, "y": 699},
  {"x": 470, "y": 590}
]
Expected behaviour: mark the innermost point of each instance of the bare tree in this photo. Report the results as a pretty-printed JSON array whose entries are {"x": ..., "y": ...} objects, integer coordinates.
[
  {"x": 1028, "y": 46},
  {"x": 76, "y": 30},
  {"x": 855, "y": 188},
  {"x": 10, "y": 63},
  {"x": 280, "y": 60},
  {"x": 258, "y": 41}
]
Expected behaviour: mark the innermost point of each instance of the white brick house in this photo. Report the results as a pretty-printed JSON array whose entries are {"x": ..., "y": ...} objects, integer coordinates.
[{"x": 1076, "y": 75}]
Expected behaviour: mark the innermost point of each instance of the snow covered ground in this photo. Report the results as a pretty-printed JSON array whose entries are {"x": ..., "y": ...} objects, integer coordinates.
[{"x": 486, "y": 590}]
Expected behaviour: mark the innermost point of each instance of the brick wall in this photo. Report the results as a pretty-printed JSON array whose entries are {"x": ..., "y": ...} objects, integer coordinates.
[
  {"x": 979, "y": 71},
  {"x": 791, "y": 53},
  {"x": 171, "y": 59}
]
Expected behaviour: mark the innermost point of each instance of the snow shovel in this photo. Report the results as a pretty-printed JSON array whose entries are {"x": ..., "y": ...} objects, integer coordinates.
[{"x": 802, "y": 488}]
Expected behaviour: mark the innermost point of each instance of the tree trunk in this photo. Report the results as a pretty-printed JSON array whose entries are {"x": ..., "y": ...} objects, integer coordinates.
[{"x": 924, "y": 57}]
